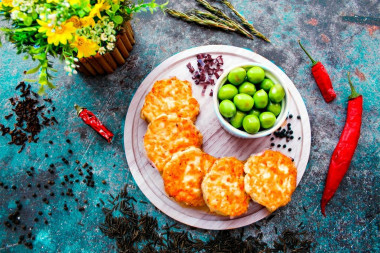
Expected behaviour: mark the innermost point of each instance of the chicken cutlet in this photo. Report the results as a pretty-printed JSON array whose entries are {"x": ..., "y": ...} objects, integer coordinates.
[
  {"x": 170, "y": 96},
  {"x": 223, "y": 187},
  {"x": 184, "y": 173},
  {"x": 270, "y": 179},
  {"x": 167, "y": 135}
]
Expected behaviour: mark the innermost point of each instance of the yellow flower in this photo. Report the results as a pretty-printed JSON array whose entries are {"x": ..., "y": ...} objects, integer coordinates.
[
  {"x": 76, "y": 21},
  {"x": 57, "y": 34},
  {"x": 53, "y": 1},
  {"x": 72, "y": 2},
  {"x": 100, "y": 6},
  {"x": 6, "y": 3},
  {"x": 87, "y": 21},
  {"x": 81, "y": 22},
  {"x": 85, "y": 46},
  {"x": 44, "y": 26}
]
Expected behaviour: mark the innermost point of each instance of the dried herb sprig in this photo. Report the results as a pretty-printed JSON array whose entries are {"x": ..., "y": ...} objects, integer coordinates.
[
  {"x": 244, "y": 20},
  {"x": 218, "y": 12},
  {"x": 195, "y": 19},
  {"x": 131, "y": 230},
  {"x": 229, "y": 23}
]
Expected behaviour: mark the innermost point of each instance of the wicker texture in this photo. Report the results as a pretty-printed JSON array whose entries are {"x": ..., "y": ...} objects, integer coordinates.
[{"x": 107, "y": 63}]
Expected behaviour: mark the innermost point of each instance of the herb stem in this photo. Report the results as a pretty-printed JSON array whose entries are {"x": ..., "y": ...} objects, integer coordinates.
[
  {"x": 244, "y": 20},
  {"x": 195, "y": 19},
  {"x": 228, "y": 23},
  {"x": 220, "y": 14}
]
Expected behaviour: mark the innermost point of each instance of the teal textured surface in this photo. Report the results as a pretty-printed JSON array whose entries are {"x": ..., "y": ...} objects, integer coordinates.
[{"x": 352, "y": 223}]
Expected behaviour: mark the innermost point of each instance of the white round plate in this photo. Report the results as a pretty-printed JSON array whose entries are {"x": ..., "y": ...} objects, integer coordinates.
[{"x": 216, "y": 141}]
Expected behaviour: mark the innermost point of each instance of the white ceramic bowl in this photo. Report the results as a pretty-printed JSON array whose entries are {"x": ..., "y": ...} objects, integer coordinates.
[{"x": 270, "y": 73}]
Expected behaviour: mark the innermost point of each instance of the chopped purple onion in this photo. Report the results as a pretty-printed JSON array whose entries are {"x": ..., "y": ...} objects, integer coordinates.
[
  {"x": 219, "y": 59},
  {"x": 190, "y": 67},
  {"x": 208, "y": 68},
  {"x": 203, "y": 76},
  {"x": 204, "y": 83},
  {"x": 204, "y": 90},
  {"x": 211, "y": 93}
]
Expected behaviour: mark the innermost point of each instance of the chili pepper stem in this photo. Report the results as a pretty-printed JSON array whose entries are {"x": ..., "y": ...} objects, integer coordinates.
[
  {"x": 354, "y": 94},
  {"x": 78, "y": 108},
  {"x": 312, "y": 60}
]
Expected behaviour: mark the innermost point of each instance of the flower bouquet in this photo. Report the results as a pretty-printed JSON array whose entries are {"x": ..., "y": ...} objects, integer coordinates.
[{"x": 88, "y": 35}]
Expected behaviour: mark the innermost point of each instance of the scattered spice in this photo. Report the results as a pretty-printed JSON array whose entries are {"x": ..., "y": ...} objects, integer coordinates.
[{"x": 30, "y": 117}]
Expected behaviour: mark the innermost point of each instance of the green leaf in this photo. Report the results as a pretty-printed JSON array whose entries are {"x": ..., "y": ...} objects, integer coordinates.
[
  {"x": 51, "y": 85},
  {"x": 30, "y": 80},
  {"x": 54, "y": 70},
  {"x": 115, "y": 7},
  {"x": 110, "y": 13},
  {"x": 81, "y": 13},
  {"x": 118, "y": 19},
  {"x": 40, "y": 57},
  {"x": 41, "y": 90},
  {"x": 33, "y": 70},
  {"x": 26, "y": 57}
]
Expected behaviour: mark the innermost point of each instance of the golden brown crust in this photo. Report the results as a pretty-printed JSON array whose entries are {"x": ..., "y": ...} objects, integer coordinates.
[
  {"x": 270, "y": 179},
  {"x": 183, "y": 175},
  {"x": 167, "y": 135},
  {"x": 170, "y": 96},
  {"x": 223, "y": 187}
]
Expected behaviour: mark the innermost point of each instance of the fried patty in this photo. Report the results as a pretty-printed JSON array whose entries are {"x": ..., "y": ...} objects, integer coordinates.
[
  {"x": 270, "y": 179},
  {"x": 170, "y": 96},
  {"x": 183, "y": 175},
  {"x": 223, "y": 187},
  {"x": 167, "y": 135}
]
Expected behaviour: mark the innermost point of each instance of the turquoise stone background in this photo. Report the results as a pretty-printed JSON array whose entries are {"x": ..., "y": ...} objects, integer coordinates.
[{"x": 352, "y": 222}]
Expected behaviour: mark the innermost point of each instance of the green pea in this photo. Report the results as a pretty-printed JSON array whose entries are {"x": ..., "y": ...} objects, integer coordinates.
[
  {"x": 251, "y": 124},
  {"x": 243, "y": 102},
  {"x": 255, "y": 112},
  {"x": 267, "y": 119},
  {"x": 266, "y": 84},
  {"x": 227, "y": 91},
  {"x": 276, "y": 93},
  {"x": 247, "y": 88},
  {"x": 261, "y": 99},
  {"x": 237, "y": 76},
  {"x": 227, "y": 108},
  {"x": 275, "y": 108},
  {"x": 237, "y": 120},
  {"x": 256, "y": 75}
]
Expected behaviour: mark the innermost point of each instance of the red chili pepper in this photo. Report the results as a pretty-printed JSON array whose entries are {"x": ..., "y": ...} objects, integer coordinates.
[
  {"x": 90, "y": 119},
  {"x": 322, "y": 78},
  {"x": 342, "y": 155}
]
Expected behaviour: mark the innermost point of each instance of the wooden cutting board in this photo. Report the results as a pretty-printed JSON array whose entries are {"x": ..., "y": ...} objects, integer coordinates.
[{"x": 216, "y": 141}]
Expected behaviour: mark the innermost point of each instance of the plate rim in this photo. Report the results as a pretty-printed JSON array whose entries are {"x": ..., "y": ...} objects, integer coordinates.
[{"x": 128, "y": 128}]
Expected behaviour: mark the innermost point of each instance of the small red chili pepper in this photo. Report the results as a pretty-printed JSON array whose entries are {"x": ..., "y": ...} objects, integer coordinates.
[
  {"x": 342, "y": 155},
  {"x": 322, "y": 78},
  {"x": 90, "y": 119}
]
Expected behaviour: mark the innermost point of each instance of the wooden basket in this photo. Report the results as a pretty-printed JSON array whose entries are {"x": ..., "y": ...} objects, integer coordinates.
[{"x": 107, "y": 63}]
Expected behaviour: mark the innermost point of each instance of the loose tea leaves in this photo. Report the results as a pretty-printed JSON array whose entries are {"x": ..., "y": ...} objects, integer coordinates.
[
  {"x": 136, "y": 232},
  {"x": 30, "y": 117}
]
